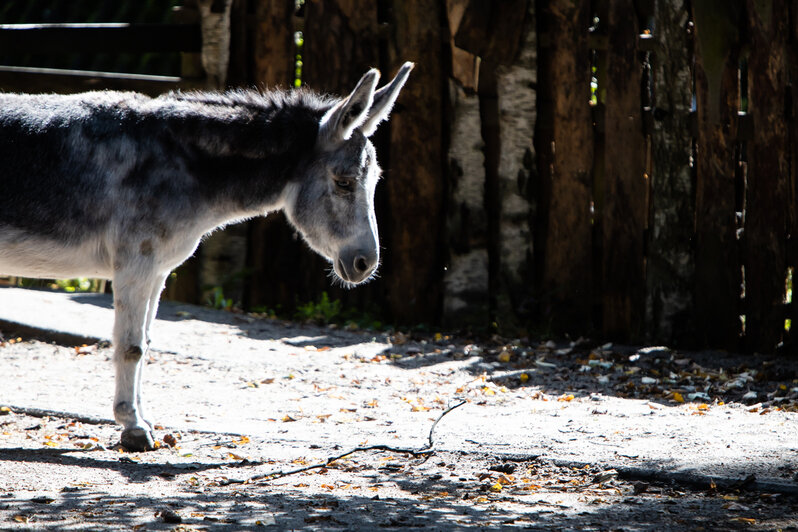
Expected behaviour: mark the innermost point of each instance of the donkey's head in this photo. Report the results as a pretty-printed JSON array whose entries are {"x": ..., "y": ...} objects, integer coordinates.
[{"x": 333, "y": 203}]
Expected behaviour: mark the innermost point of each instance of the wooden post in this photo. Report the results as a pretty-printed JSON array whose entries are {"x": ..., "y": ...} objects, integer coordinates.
[
  {"x": 564, "y": 146},
  {"x": 340, "y": 44},
  {"x": 792, "y": 124},
  {"x": 273, "y": 43},
  {"x": 765, "y": 233},
  {"x": 670, "y": 266},
  {"x": 272, "y": 250},
  {"x": 415, "y": 182},
  {"x": 624, "y": 209},
  {"x": 718, "y": 276}
]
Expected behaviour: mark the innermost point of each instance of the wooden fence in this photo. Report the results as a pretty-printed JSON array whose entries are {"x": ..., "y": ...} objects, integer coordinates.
[{"x": 615, "y": 168}]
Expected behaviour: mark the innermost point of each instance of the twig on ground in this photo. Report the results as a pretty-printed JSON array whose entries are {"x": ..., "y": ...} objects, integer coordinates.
[
  {"x": 432, "y": 428},
  {"x": 43, "y": 412},
  {"x": 424, "y": 451}
]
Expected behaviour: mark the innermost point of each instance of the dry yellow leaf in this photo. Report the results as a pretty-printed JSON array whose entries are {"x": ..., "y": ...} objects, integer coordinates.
[{"x": 678, "y": 397}]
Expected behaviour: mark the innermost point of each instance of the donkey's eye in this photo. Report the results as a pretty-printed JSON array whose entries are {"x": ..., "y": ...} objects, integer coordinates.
[{"x": 344, "y": 182}]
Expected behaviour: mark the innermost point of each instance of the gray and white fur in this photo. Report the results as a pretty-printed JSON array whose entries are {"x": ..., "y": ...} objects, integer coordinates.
[{"x": 121, "y": 186}]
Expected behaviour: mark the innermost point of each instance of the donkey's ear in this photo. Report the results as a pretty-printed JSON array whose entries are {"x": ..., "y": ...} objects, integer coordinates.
[
  {"x": 384, "y": 100},
  {"x": 339, "y": 122}
]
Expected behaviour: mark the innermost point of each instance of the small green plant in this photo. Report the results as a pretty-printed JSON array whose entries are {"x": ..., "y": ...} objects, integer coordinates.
[
  {"x": 324, "y": 311},
  {"x": 81, "y": 284},
  {"x": 217, "y": 300}
]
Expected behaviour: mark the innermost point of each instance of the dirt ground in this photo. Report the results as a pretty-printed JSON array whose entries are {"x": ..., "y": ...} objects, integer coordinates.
[{"x": 550, "y": 436}]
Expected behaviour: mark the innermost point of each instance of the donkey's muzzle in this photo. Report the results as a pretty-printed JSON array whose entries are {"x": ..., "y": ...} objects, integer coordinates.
[{"x": 356, "y": 266}]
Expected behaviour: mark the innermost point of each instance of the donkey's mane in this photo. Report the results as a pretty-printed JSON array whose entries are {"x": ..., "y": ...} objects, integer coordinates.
[{"x": 257, "y": 99}]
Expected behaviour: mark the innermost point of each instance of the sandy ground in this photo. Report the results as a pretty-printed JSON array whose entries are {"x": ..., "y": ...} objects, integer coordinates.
[{"x": 551, "y": 435}]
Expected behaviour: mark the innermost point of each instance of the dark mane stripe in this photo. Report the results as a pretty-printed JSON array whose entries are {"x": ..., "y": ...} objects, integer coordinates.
[{"x": 255, "y": 99}]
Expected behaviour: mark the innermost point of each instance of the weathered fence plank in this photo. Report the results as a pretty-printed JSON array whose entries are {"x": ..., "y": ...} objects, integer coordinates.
[
  {"x": 414, "y": 258},
  {"x": 624, "y": 209},
  {"x": 792, "y": 124},
  {"x": 116, "y": 37},
  {"x": 718, "y": 276},
  {"x": 765, "y": 236},
  {"x": 43, "y": 80},
  {"x": 272, "y": 248},
  {"x": 273, "y": 43},
  {"x": 670, "y": 267},
  {"x": 564, "y": 146},
  {"x": 341, "y": 43}
]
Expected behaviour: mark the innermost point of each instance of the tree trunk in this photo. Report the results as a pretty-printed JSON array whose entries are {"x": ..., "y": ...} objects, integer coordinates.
[
  {"x": 517, "y": 98},
  {"x": 670, "y": 267},
  {"x": 465, "y": 298}
]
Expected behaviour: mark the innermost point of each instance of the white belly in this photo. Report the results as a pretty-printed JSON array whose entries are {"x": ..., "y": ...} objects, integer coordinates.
[{"x": 33, "y": 256}]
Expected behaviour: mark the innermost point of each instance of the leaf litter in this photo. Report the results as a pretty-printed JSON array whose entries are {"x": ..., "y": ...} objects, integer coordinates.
[{"x": 502, "y": 493}]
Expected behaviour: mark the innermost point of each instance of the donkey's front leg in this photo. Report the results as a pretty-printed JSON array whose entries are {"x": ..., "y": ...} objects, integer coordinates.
[
  {"x": 152, "y": 310},
  {"x": 132, "y": 294}
]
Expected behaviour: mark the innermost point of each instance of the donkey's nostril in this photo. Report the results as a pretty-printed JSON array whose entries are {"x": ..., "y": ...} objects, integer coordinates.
[{"x": 361, "y": 264}]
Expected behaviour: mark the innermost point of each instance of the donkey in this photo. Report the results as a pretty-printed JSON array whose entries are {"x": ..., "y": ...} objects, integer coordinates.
[{"x": 121, "y": 186}]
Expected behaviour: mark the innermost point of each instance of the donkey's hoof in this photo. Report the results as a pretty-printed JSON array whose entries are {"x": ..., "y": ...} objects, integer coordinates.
[{"x": 136, "y": 440}]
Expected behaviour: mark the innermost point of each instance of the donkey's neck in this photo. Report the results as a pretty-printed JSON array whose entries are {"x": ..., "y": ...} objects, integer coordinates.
[{"x": 241, "y": 150}]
